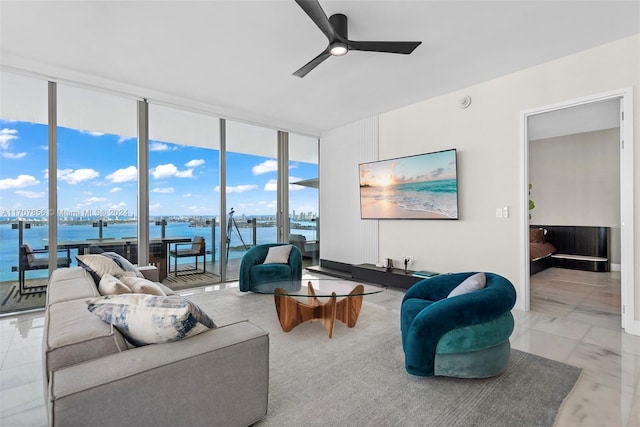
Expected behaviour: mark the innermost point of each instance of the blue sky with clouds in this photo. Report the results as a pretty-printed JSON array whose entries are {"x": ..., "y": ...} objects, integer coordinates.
[{"x": 98, "y": 172}]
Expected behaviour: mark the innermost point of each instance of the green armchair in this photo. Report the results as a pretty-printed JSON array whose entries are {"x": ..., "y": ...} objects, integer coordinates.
[
  {"x": 254, "y": 271},
  {"x": 464, "y": 336}
]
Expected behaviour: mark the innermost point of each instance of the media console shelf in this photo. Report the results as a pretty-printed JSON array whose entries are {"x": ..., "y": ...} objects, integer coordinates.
[{"x": 395, "y": 278}]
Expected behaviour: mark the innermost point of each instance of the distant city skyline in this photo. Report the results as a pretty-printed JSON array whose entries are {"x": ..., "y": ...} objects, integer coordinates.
[{"x": 97, "y": 173}]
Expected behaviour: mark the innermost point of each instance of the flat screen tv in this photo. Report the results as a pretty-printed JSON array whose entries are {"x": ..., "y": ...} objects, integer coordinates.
[{"x": 424, "y": 186}]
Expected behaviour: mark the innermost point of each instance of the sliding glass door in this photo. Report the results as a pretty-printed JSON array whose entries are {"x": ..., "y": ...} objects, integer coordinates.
[
  {"x": 304, "y": 222},
  {"x": 23, "y": 189},
  {"x": 251, "y": 191},
  {"x": 184, "y": 202},
  {"x": 97, "y": 172}
]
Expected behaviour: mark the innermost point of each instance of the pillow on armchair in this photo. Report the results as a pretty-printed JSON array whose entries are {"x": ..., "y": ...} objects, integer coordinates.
[
  {"x": 269, "y": 262},
  {"x": 470, "y": 284},
  {"x": 278, "y": 255}
]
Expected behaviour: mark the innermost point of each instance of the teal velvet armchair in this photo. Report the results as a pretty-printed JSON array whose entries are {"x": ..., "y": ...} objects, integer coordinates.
[
  {"x": 253, "y": 271},
  {"x": 465, "y": 336}
]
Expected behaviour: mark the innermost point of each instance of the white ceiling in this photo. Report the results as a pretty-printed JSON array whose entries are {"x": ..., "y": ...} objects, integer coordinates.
[{"x": 235, "y": 58}]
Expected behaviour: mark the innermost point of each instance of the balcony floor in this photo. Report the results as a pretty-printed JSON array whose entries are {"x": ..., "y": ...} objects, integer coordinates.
[{"x": 11, "y": 301}]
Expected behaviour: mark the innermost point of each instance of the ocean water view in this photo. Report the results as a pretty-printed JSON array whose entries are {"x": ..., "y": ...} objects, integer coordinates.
[
  {"x": 434, "y": 197},
  {"x": 37, "y": 237}
]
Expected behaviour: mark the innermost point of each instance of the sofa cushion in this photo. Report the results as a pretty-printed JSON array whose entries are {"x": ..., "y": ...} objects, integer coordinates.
[
  {"x": 278, "y": 255},
  {"x": 110, "y": 285},
  {"x": 73, "y": 335},
  {"x": 149, "y": 319},
  {"x": 67, "y": 284},
  {"x": 470, "y": 284},
  {"x": 143, "y": 286}
]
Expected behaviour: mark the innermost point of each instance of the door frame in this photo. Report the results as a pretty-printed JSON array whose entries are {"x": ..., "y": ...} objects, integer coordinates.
[{"x": 627, "y": 304}]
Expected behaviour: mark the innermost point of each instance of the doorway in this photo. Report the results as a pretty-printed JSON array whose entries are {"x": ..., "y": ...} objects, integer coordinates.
[{"x": 622, "y": 99}]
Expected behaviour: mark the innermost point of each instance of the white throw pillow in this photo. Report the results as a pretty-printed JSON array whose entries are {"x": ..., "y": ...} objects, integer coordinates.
[
  {"x": 143, "y": 286},
  {"x": 99, "y": 265},
  {"x": 278, "y": 255},
  {"x": 148, "y": 319},
  {"x": 470, "y": 284},
  {"x": 110, "y": 285}
]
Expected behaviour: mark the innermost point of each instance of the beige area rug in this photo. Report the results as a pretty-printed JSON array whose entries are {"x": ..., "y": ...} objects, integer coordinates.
[{"x": 357, "y": 378}]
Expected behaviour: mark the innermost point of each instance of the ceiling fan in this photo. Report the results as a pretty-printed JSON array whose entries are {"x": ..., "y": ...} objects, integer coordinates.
[{"x": 335, "y": 28}]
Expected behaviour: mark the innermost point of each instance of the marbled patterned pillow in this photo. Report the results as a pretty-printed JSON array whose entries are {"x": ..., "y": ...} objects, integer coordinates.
[
  {"x": 148, "y": 319},
  {"x": 98, "y": 266}
]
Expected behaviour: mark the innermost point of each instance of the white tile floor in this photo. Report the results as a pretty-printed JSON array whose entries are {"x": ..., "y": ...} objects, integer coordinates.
[{"x": 575, "y": 319}]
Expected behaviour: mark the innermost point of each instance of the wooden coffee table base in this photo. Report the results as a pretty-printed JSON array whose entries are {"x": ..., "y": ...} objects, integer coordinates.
[{"x": 292, "y": 312}]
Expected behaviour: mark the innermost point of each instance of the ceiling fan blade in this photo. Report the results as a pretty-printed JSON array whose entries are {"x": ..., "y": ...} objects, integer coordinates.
[
  {"x": 313, "y": 63},
  {"x": 317, "y": 15},
  {"x": 388, "y": 47}
]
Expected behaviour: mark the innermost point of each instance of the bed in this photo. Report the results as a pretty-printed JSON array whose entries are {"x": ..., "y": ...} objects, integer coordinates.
[
  {"x": 567, "y": 246},
  {"x": 540, "y": 250}
]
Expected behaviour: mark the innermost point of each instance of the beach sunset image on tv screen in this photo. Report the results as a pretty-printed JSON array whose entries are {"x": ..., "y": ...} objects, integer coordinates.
[{"x": 423, "y": 186}]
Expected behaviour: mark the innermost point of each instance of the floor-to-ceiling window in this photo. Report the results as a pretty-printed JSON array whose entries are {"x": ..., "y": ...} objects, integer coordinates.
[
  {"x": 96, "y": 172},
  {"x": 184, "y": 198},
  {"x": 251, "y": 193},
  {"x": 23, "y": 187},
  {"x": 304, "y": 221},
  {"x": 93, "y": 152}
]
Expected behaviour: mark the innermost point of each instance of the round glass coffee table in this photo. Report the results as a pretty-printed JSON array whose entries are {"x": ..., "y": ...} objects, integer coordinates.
[{"x": 297, "y": 301}]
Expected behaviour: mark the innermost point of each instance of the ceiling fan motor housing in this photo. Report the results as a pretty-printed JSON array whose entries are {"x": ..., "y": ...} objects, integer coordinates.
[{"x": 339, "y": 46}]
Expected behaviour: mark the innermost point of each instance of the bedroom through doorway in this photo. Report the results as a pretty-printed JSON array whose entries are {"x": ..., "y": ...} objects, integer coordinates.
[{"x": 575, "y": 164}]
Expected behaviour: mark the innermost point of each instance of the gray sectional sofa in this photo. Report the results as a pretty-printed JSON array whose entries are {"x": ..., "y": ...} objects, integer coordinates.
[{"x": 93, "y": 376}]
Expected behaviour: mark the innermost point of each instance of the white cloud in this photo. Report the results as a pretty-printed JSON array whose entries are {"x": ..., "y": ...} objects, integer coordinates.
[
  {"x": 124, "y": 139},
  {"x": 194, "y": 163},
  {"x": 115, "y": 190},
  {"x": 13, "y": 156},
  {"x": 19, "y": 182},
  {"x": 155, "y": 207},
  {"x": 124, "y": 175},
  {"x": 76, "y": 176},
  {"x": 169, "y": 170},
  {"x": 238, "y": 188},
  {"x": 186, "y": 195},
  {"x": 31, "y": 194},
  {"x": 95, "y": 199},
  {"x": 265, "y": 167},
  {"x": 118, "y": 205},
  {"x": 91, "y": 133},
  {"x": 271, "y": 185},
  {"x": 166, "y": 190},
  {"x": 158, "y": 146},
  {"x": 7, "y": 135},
  {"x": 164, "y": 171}
]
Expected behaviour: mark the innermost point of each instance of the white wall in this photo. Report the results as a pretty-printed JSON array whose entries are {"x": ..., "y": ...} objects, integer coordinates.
[
  {"x": 487, "y": 136},
  {"x": 576, "y": 181},
  {"x": 344, "y": 237}
]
